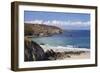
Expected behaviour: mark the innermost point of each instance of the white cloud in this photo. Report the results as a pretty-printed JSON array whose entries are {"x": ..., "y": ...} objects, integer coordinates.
[
  {"x": 70, "y": 23},
  {"x": 35, "y": 21}
]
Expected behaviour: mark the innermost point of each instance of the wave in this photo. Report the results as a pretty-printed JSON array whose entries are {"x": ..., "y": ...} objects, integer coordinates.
[{"x": 65, "y": 48}]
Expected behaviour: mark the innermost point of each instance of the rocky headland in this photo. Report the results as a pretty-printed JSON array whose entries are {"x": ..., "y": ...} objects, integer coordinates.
[{"x": 41, "y": 30}]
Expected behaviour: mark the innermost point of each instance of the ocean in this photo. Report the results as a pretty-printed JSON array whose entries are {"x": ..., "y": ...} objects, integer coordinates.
[{"x": 69, "y": 38}]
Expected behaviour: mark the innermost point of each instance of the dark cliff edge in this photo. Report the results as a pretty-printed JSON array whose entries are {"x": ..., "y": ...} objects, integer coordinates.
[{"x": 33, "y": 52}]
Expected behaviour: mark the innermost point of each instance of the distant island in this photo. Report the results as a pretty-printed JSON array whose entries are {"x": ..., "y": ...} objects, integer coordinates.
[{"x": 41, "y": 30}]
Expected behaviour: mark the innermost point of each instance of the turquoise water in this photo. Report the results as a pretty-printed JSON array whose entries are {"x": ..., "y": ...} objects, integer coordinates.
[{"x": 75, "y": 38}]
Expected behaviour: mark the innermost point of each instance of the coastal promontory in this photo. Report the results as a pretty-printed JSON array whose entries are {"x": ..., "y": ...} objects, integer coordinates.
[{"x": 41, "y": 30}]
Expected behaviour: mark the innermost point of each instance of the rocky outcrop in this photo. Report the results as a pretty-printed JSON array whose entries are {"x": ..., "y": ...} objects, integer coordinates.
[
  {"x": 40, "y": 30},
  {"x": 33, "y": 52}
]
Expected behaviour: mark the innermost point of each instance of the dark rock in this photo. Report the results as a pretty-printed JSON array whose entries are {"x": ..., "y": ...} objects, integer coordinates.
[
  {"x": 33, "y": 52},
  {"x": 68, "y": 56},
  {"x": 50, "y": 55},
  {"x": 42, "y": 44}
]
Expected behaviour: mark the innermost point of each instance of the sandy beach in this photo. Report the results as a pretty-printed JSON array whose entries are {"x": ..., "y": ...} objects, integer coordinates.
[{"x": 68, "y": 52}]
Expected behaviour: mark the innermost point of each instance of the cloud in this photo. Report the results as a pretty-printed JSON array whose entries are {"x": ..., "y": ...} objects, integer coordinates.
[
  {"x": 52, "y": 22},
  {"x": 68, "y": 23},
  {"x": 35, "y": 21}
]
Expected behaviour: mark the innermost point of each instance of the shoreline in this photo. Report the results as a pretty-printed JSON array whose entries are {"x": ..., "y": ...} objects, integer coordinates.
[
  {"x": 62, "y": 49},
  {"x": 68, "y": 53},
  {"x": 47, "y": 52}
]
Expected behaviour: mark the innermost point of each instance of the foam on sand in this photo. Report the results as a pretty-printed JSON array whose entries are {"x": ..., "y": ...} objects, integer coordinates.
[
  {"x": 69, "y": 52},
  {"x": 63, "y": 49}
]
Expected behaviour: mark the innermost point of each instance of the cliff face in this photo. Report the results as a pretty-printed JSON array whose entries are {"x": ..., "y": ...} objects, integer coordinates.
[
  {"x": 41, "y": 30},
  {"x": 33, "y": 52}
]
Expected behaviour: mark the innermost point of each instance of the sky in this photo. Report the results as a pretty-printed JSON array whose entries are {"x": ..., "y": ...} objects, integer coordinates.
[{"x": 64, "y": 20}]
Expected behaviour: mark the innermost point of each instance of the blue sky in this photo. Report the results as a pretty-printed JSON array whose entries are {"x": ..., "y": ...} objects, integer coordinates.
[{"x": 75, "y": 21}]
